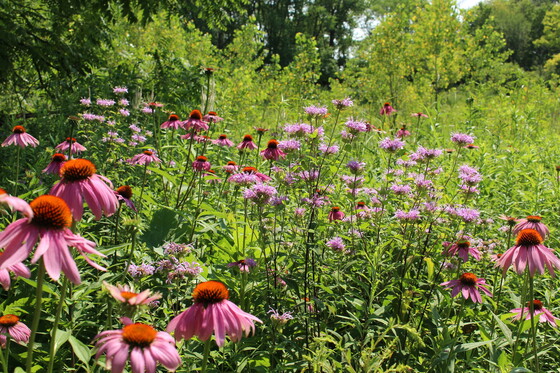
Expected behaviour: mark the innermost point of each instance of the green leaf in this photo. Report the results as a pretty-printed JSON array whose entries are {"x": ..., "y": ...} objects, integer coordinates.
[
  {"x": 471, "y": 346},
  {"x": 505, "y": 330},
  {"x": 429, "y": 268},
  {"x": 61, "y": 338},
  {"x": 162, "y": 222},
  {"x": 81, "y": 350}
]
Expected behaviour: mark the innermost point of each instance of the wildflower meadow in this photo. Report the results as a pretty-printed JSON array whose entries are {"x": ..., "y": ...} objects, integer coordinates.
[{"x": 182, "y": 205}]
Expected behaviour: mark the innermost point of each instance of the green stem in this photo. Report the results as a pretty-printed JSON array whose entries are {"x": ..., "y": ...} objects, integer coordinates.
[
  {"x": 206, "y": 355},
  {"x": 456, "y": 332},
  {"x": 36, "y": 316},
  {"x": 52, "y": 352},
  {"x": 4, "y": 359},
  {"x": 533, "y": 328},
  {"x": 17, "y": 170},
  {"x": 523, "y": 302},
  {"x": 142, "y": 189}
]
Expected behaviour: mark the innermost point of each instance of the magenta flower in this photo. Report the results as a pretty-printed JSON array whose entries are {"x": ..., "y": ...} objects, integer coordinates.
[
  {"x": 260, "y": 194},
  {"x": 529, "y": 252},
  {"x": 11, "y": 326},
  {"x": 463, "y": 249},
  {"x": 532, "y": 222},
  {"x": 56, "y": 163},
  {"x": 50, "y": 227},
  {"x": 75, "y": 147},
  {"x": 18, "y": 269},
  {"x": 223, "y": 141},
  {"x": 248, "y": 176},
  {"x": 403, "y": 132},
  {"x": 247, "y": 143},
  {"x": 125, "y": 294},
  {"x": 21, "y": 138},
  {"x": 536, "y": 308},
  {"x": 469, "y": 285},
  {"x": 212, "y": 313},
  {"x": 289, "y": 146},
  {"x": 342, "y": 104},
  {"x": 172, "y": 122},
  {"x": 272, "y": 152},
  {"x": 79, "y": 180},
  {"x": 335, "y": 214},
  {"x": 391, "y": 146},
  {"x": 145, "y": 158},
  {"x": 212, "y": 117},
  {"x": 244, "y": 265},
  {"x": 124, "y": 194},
  {"x": 387, "y": 109},
  {"x": 16, "y": 204},
  {"x": 316, "y": 111},
  {"x": 336, "y": 244},
  {"x": 201, "y": 164},
  {"x": 462, "y": 139},
  {"x": 120, "y": 90},
  {"x": 141, "y": 344},
  {"x": 195, "y": 122},
  {"x": 419, "y": 115}
]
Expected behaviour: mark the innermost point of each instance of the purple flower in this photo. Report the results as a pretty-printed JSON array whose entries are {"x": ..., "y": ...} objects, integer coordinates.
[
  {"x": 172, "y": 248},
  {"x": 355, "y": 127},
  {"x": 260, "y": 194},
  {"x": 280, "y": 319},
  {"x": 468, "y": 285},
  {"x": 105, "y": 102},
  {"x": 124, "y": 102},
  {"x": 391, "y": 146},
  {"x": 244, "y": 265},
  {"x": 289, "y": 146},
  {"x": 124, "y": 112},
  {"x": 356, "y": 167},
  {"x": 424, "y": 155},
  {"x": 85, "y": 101},
  {"x": 342, "y": 104},
  {"x": 462, "y": 139},
  {"x": 400, "y": 189},
  {"x": 412, "y": 215},
  {"x": 337, "y": 244},
  {"x": 326, "y": 149},
  {"x": 120, "y": 90},
  {"x": 316, "y": 111},
  {"x": 142, "y": 270},
  {"x": 387, "y": 109}
]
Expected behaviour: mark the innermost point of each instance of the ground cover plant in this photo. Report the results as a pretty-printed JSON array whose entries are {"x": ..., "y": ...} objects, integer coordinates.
[{"x": 214, "y": 211}]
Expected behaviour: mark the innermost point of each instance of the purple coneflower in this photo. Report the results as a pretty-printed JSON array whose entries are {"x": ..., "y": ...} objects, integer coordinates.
[
  {"x": 272, "y": 152},
  {"x": 387, "y": 109},
  {"x": 50, "y": 227},
  {"x": 11, "y": 326},
  {"x": 195, "y": 122},
  {"x": 247, "y": 143},
  {"x": 244, "y": 265},
  {"x": 532, "y": 222},
  {"x": 201, "y": 164},
  {"x": 145, "y": 158},
  {"x": 125, "y": 294},
  {"x": 138, "y": 343},
  {"x": 70, "y": 142},
  {"x": 57, "y": 161},
  {"x": 124, "y": 194},
  {"x": 212, "y": 313},
  {"x": 535, "y": 307},
  {"x": 469, "y": 285},
  {"x": 223, "y": 141},
  {"x": 212, "y": 117},
  {"x": 21, "y": 138},
  {"x": 419, "y": 115},
  {"x": 462, "y": 249},
  {"x": 529, "y": 252},
  {"x": 172, "y": 122},
  {"x": 335, "y": 214},
  {"x": 18, "y": 269},
  {"x": 15, "y": 203},
  {"x": 230, "y": 167},
  {"x": 78, "y": 181},
  {"x": 403, "y": 132}
]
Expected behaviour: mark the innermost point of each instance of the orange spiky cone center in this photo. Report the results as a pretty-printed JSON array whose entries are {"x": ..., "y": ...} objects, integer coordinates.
[
  {"x": 138, "y": 334},
  {"x": 468, "y": 279},
  {"x": 51, "y": 212},
  {"x": 210, "y": 292},
  {"x": 9, "y": 320},
  {"x": 77, "y": 169},
  {"x": 528, "y": 237}
]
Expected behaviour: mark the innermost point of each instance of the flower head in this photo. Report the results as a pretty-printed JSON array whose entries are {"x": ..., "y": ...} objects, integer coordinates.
[
  {"x": 140, "y": 344},
  {"x": 272, "y": 152},
  {"x": 201, "y": 164},
  {"x": 124, "y": 194},
  {"x": 316, "y": 111},
  {"x": 469, "y": 285},
  {"x": 11, "y": 326},
  {"x": 335, "y": 214},
  {"x": 387, "y": 109},
  {"x": 223, "y": 140},
  {"x": 529, "y": 252},
  {"x": 126, "y": 294},
  {"x": 57, "y": 160},
  {"x": 21, "y": 138},
  {"x": 532, "y": 222},
  {"x": 391, "y": 146},
  {"x": 247, "y": 143},
  {"x": 212, "y": 117},
  {"x": 342, "y": 104},
  {"x": 172, "y": 122},
  {"x": 212, "y": 313},
  {"x": 536, "y": 308},
  {"x": 463, "y": 249},
  {"x": 462, "y": 139},
  {"x": 145, "y": 158},
  {"x": 72, "y": 144},
  {"x": 50, "y": 227},
  {"x": 15, "y": 204},
  {"x": 195, "y": 122},
  {"x": 244, "y": 265}
]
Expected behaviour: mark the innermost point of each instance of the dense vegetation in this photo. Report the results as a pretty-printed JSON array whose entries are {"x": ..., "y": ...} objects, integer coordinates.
[{"x": 383, "y": 169}]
